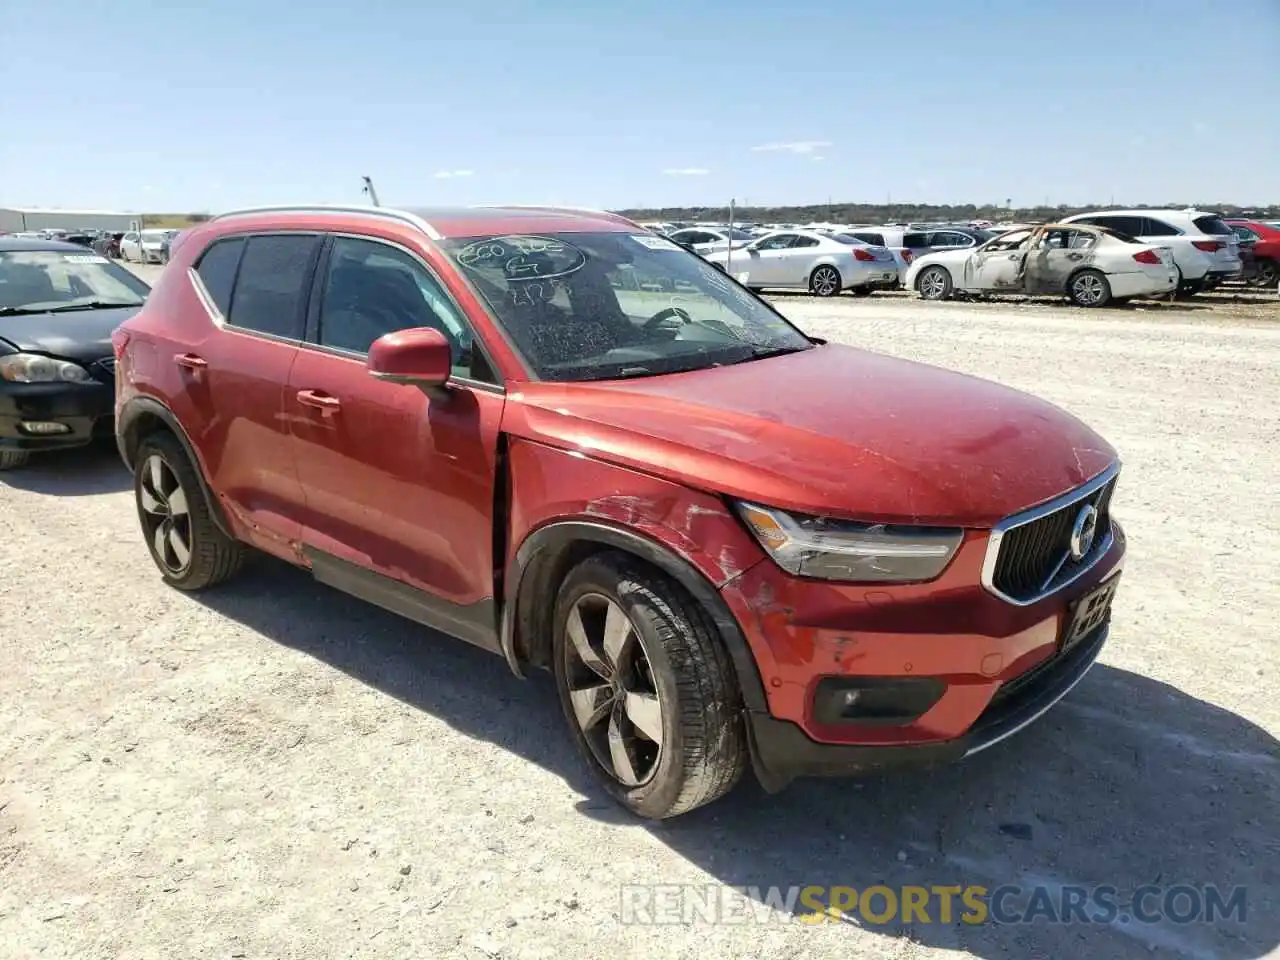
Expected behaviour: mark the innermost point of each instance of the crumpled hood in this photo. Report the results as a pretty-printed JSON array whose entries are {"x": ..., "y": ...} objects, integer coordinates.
[
  {"x": 833, "y": 430},
  {"x": 79, "y": 335}
]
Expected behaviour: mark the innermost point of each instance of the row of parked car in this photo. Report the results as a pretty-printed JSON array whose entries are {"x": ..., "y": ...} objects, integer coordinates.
[
  {"x": 1092, "y": 258},
  {"x": 137, "y": 246},
  {"x": 503, "y": 424}
]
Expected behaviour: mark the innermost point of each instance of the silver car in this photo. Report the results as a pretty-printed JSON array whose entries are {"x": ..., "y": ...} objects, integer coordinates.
[{"x": 804, "y": 260}]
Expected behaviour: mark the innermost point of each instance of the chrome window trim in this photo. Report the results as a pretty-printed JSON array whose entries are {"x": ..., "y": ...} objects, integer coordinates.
[{"x": 1016, "y": 520}]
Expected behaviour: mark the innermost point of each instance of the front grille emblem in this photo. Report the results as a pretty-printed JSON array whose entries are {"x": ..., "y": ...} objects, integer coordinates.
[{"x": 1083, "y": 531}]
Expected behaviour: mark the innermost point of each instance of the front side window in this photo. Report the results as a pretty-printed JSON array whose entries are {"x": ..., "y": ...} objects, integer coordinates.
[
  {"x": 39, "y": 281},
  {"x": 1009, "y": 241},
  {"x": 781, "y": 241},
  {"x": 373, "y": 289},
  {"x": 595, "y": 306},
  {"x": 270, "y": 289}
]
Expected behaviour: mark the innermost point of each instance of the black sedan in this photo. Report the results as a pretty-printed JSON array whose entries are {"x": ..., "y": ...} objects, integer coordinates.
[{"x": 59, "y": 304}]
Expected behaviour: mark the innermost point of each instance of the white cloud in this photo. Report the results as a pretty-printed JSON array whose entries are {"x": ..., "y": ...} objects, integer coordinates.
[
  {"x": 686, "y": 171},
  {"x": 795, "y": 146},
  {"x": 450, "y": 174},
  {"x": 819, "y": 158}
]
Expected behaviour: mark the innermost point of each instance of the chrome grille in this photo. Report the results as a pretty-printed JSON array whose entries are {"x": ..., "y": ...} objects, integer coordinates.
[{"x": 1029, "y": 556}]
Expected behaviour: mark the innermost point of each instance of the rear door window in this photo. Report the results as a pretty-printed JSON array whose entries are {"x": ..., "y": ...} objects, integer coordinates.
[
  {"x": 217, "y": 271},
  {"x": 270, "y": 290},
  {"x": 804, "y": 242},
  {"x": 875, "y": 239},
  {"x": 1150, "y": 227},
  {"x": 915, "y": 241}
]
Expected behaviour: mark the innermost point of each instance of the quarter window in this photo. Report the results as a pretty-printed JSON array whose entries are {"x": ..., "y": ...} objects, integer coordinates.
[
  {"x": 374, "y": 289},
  {"x": 270, "y": 289},
  {"x": 217, "y": 271},
  {"x": 875, "y": 239}
]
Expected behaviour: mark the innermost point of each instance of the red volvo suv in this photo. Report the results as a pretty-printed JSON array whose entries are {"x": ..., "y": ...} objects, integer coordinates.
[{"x": 569, "y": 441}]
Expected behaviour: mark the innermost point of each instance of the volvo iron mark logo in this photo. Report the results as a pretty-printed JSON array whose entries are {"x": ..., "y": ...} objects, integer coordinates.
[{"x": 1082, "y": 532}]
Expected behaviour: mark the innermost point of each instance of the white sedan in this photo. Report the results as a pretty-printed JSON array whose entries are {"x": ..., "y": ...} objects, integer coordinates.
[
  {"x": 1090, "y": 265},
  {"x": 804, "y": 260}
]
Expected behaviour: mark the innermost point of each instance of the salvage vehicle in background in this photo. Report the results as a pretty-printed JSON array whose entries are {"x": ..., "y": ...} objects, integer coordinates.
[
  {"x": 1205, "y": 250},
  {"x": 803, "y": 260},
  {"x": 703, "y": 240},
  {"x": 59, "y": 303},
  {"x": 1263, "y": 239},
  {"x": 1092, "y": 266},
  {"x": 488, "y": 422}
]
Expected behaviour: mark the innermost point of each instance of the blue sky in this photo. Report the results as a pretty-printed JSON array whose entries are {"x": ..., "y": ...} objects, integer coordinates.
[{"x": 151, "y": 106}]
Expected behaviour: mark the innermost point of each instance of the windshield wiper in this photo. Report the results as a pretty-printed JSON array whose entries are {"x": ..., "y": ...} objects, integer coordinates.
[
  {"x": 19, "y": 311},
  {"x": 92, "y": 305},
  {"x": 761, "y": 353}
]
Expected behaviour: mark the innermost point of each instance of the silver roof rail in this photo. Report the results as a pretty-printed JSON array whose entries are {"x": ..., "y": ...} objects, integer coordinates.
[
  {"x": 550, "y": 207},
  {"x": 390, "y": 213}
]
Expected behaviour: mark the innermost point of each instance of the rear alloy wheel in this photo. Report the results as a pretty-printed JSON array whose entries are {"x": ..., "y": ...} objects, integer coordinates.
[
  {"x": 825, "y": 281},
  {"x": 12, "y": 459},
  {"x": 934, "y": 283},
  {"x": 1268, "y": 273},
  {"x": 1089, "y": 288},
  {"x": 647, "y": 687},
  {"x": 185, "y": 543}
]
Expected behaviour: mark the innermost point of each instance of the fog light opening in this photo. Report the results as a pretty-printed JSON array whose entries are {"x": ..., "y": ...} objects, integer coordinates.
[{"x": 42, "y": 428}]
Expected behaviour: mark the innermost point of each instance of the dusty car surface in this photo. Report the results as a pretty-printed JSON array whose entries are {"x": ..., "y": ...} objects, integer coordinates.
[
  {"x": 575, "y": 444},
  {"x": 1091, "y": 266}
]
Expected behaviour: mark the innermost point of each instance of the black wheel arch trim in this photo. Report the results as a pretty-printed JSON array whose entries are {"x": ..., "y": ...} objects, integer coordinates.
[
  {"x": 129, "y": 414},
  {"x": 520, "y": 605}
]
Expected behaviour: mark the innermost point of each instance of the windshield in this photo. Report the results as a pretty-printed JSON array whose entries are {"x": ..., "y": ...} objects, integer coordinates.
[
  {"x": 596, "y": 306},
  {"x": 56, "y": 279}
]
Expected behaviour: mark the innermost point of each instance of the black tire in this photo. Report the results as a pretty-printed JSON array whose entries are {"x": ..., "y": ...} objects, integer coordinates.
[
  {"x": 938, "y": 286},
  {"x": 703, "y": 751},
  {"x": 1268, "y": 273},
  {"x": 13, "y": 459},
  {"x": 825, "y": 281},
  {"x": 1089, "y": 288},
  {"x": 1187, "y": 288},
  {"x": 862, "y": 291},
  {"x": 212, "y": 556}
]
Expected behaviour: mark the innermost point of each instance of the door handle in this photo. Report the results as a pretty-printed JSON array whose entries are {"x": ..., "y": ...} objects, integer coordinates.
[
  {"x": 321, "y": 401},
  {"x": 190, "y": 361},
  {"x": 1075, "y": 256}
]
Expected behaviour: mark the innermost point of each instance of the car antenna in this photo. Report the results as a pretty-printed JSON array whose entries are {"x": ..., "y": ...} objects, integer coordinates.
[{"x": 368, "y": 190}]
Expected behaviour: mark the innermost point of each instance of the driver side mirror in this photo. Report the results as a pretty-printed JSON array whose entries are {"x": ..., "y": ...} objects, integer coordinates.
[{"x": 420, "y": 356}]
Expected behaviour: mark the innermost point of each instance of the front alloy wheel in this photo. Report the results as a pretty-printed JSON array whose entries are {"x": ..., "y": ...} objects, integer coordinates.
[
  {"x": 934, "y": 283},
  {"x": 647, "y": 687},
  {"x": 611, "y": 688},
  {"x": 166, "y": 518}
]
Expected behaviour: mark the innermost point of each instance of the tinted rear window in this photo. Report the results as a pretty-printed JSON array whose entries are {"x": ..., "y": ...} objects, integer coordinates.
[
  {"x": 1213, "y": 225},
  {"x": 914, "y": 241},
  {"x": 271, "y": 287},
  {"x": 217, "y": 270}
]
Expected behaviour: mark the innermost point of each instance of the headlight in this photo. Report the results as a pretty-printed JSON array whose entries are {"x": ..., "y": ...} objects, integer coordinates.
[
  {"x": 33, "y": 368},
  {"x": 852, "y": 552}
]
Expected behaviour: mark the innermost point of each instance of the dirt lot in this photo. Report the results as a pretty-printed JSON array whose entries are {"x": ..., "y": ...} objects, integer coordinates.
[{"x": 274, "y": 770}]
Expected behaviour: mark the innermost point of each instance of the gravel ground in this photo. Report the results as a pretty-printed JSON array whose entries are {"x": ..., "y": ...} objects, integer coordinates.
[{"x": 274, "y": 770}]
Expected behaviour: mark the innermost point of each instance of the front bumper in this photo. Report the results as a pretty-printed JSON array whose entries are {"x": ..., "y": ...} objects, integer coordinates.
[
  {"x": 781, "y": 752},
  {"x": 987, "y": 667},
  {"x": 86, "y": 410}
]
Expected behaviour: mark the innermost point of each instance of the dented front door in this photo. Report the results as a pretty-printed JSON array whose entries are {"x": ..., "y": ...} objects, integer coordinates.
[{"x": 998, "y": 270}]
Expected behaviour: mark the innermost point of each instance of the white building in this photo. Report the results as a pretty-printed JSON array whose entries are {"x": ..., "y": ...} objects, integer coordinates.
[{"x": 19, "y": 219}]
